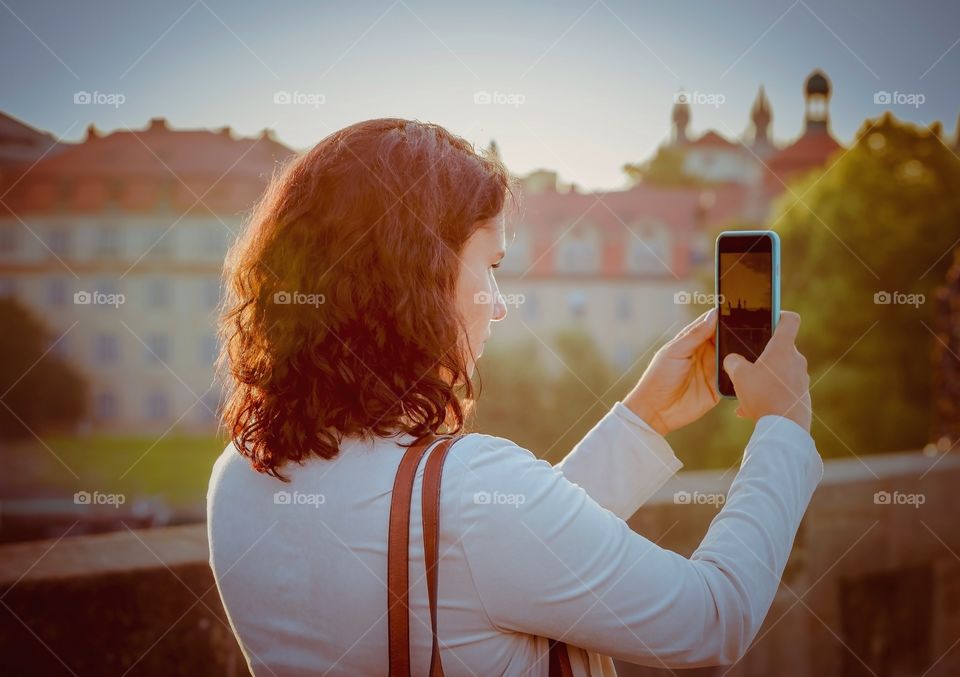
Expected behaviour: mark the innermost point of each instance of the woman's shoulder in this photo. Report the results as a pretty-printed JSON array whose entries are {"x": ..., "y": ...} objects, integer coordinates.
[{"x": 487, "y": 464}]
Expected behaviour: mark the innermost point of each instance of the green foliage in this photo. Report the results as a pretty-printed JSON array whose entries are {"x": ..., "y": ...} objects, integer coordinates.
[
  {"x": 665, "y": 168},
  {"x": 39, "y": 390},
  {"x": 883, "y": 218}
]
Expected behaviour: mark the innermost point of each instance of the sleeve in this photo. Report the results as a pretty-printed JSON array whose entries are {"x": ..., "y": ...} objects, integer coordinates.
[
  {"x": 621, "y": 462},
  {"x": 546, "y": 559}
]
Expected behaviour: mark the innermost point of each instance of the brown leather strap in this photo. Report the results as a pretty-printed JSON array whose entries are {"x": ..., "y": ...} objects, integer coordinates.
[
  {"x": 398, "y": 551},
  {"x": 398, "y": 612},
  {"x": 559, "y": 660},
  {"x": 431, "y": 539}
]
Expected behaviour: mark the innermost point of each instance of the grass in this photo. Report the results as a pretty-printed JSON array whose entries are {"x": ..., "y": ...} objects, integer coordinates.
[{"x": 176, "y": 468}]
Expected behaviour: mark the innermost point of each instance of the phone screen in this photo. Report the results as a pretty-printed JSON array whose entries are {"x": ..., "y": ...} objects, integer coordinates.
[{"x": 745, "y": 279}]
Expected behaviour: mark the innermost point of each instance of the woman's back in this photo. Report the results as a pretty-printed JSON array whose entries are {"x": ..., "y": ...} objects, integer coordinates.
[{"x": 527, "y": 551}]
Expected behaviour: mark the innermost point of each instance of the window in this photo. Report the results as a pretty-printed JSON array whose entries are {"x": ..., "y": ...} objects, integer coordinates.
[
  {"x": 158, "y": 293},
  {"x": 8, "y": 239},
  {"x": 624, "y": 306},
  {"x": 649, "y": 249},
  {"x": 210, "y": 293},
  {"x": 214, "y": 239},
  {"x": 577, "y": 302},
  {"x": 57, "y": 292},
  {"x": 108, "y": 242},
  {"x": 517, "y": 258},
  {"x": 106, "y": 349},
  {"x": 209, "y": 347},
  {"x": 579, "y": 251},
  {"x": 157, "y": 406},
  {"x": 159, "y": 243},
  {"x": 530, "y": 306},
  {"x": 59, "y": 241},
  {"x": 157, "y": 348},
  {"x": 105, "y": 406}
]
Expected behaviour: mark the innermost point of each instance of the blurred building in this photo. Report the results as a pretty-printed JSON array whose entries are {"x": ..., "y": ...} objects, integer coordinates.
[{"x": 118, "y": 243}]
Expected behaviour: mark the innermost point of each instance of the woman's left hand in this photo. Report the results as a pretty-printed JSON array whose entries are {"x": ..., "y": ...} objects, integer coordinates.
[{"x": 680, "y": 384}]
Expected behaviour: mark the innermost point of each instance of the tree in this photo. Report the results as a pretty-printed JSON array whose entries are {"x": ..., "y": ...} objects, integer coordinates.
[
  {"x": 39, "y": 391},
  {"x": 665, "y": 168},
  {"x": 878, "y": 226}
]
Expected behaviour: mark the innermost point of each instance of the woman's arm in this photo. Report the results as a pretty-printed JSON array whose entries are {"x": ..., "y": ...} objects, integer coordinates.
[
  {"x": 621, "y": 462},
  {"x": 547, "y": 559}
]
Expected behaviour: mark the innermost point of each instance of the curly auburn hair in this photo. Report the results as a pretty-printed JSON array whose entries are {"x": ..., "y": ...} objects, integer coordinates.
[{"x": 340, "y": 313}]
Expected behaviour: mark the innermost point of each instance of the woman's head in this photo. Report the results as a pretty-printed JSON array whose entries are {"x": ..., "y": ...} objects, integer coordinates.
[{"x": 361, "y": 292}]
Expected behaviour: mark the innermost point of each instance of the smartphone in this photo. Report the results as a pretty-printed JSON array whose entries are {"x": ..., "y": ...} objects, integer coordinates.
[{"x": 747, "y": 296}]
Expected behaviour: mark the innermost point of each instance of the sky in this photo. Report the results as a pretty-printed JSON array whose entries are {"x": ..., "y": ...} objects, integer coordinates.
[{"x": 578, "y": 87}]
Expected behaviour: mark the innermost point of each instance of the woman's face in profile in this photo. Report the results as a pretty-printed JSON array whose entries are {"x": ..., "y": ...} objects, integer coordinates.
[{"x": 478, "y": 296}]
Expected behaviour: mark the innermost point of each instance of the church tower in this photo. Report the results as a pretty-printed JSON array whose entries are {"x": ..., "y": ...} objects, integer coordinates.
[
  {"x": 681, "y": 118},
  {"x": 761, "y": 115},
  {"x": 817, "y": 96}
]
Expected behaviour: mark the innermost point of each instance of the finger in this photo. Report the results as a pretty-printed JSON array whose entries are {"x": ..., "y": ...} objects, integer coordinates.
[
  {"x": 739, "y": 412},
  {"x": 694, "y": 334},
  {"x": 785, "y": 334},
  {"x": 732, "y": 363}
]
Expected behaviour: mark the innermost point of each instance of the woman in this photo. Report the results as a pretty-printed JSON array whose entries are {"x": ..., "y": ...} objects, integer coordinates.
[{"x": 361, "y": 295}]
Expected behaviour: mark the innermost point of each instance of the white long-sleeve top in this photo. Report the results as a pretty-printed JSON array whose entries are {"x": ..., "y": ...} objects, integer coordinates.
[{"x": 528, "y": 551}]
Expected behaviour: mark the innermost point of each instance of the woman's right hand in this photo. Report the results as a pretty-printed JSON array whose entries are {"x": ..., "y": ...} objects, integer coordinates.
[{"x": 777, "y": 383}]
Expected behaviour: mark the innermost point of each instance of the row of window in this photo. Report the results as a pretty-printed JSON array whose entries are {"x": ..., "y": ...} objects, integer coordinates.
[
  {"x": 107, "y": 349},
  {"x": 153, "y": 293},
  {"x": 156, "y": 406},
  {"x": 157, "y": 242}
]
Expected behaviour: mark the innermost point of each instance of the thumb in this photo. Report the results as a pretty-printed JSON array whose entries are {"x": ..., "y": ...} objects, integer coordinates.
[{"x": 732, "y": 363}]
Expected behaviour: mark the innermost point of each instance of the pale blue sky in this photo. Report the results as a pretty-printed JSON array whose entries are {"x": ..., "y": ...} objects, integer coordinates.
[{"x": 596, "y": 78}]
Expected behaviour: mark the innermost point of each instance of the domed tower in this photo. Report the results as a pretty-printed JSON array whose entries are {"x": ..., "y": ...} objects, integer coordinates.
[
  {"x": 761, "y": 115},
  {"x": 816, "y": 92},
  {"x": 680, "y": 117}
]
